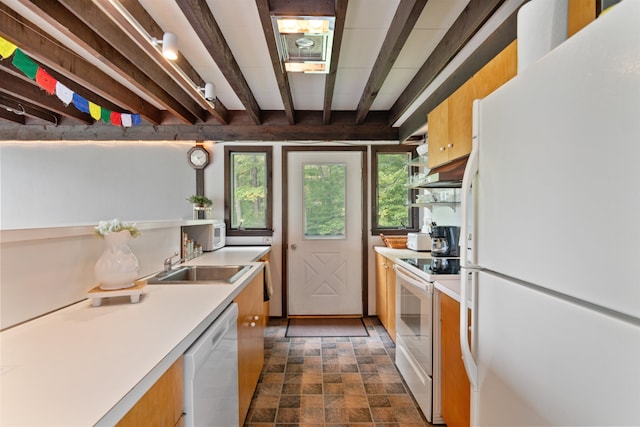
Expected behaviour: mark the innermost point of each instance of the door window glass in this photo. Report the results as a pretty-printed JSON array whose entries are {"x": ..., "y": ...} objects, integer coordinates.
[{"x": 324, "y": 200}]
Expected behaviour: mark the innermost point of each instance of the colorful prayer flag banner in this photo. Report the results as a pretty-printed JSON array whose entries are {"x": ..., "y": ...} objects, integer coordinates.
[{"x": 47, "y": 82}]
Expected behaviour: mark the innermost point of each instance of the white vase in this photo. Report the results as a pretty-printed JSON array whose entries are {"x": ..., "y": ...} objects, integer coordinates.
[{"x": 117, "y": 267}]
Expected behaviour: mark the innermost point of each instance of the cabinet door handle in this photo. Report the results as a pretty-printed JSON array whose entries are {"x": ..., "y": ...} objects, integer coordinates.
[
  {"x": 441, "y": 148},
  {"x": 256, "y": 317},
  {"x": 252, "y": 324},
  {"x": 449, "y": 145}
]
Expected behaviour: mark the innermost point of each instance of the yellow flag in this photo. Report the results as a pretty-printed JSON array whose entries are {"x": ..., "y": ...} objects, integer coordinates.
[
  {"x": 94, "y": 110},
  {"x": 6, "y": 48}
]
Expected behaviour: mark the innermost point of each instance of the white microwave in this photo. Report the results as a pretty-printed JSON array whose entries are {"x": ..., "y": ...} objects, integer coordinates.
[
  {"x": 217, "y": 238},
  {"x": 209, "y": 236}
]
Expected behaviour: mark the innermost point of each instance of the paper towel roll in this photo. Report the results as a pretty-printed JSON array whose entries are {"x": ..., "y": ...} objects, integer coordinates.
[{"x": 542, "y": 25}]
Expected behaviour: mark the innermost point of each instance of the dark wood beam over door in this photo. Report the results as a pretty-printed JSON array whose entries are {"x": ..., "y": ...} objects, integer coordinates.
[
  {"x": 403, "y": 22},
  {"x": 28, "y": 37},
  {"x": 330, "y": 79},
  {"x": 282, "y": 77},
  {"x": 465, "y": 26},
  {"x": 204, "y": 24}
]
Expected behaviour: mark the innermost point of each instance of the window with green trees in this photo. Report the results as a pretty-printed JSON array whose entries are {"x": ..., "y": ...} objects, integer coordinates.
[
  {"x": 248, "y": 187},
  {"x": 324, "y": 200},
  {"x": 391, "y": 213}
]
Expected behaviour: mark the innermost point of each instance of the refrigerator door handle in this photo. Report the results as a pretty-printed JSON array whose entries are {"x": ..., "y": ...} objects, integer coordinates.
[
  {"x": 468, "y": 266},
  {"x": 467, "y": 357}
]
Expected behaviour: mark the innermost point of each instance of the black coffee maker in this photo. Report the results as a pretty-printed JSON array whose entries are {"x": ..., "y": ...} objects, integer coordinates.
[
  {"x": 445, "y": 251},
  {"x": 445, "y": 241}
]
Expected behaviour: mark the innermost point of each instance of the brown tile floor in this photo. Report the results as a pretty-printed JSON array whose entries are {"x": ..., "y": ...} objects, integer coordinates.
[{"x": 331, "y": 382}]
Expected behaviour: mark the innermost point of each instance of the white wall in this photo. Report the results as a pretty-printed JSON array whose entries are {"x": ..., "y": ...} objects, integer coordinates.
[
  {"x": 49, "y": 185},
  {"x": 58, "y": 184}
]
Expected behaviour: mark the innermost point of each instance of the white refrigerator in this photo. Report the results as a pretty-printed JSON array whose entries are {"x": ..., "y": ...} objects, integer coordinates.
[{"x": 551, "y": 236}]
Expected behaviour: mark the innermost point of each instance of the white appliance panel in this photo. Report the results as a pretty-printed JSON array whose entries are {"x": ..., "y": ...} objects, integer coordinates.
[
  {"x": 547, "y": 361},
  {"x": 558, "y": 198},
  {"x": 211, "y": 374}
]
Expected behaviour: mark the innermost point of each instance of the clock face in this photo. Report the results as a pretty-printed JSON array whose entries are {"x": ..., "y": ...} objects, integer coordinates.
[{"x": 198, "y": 157}]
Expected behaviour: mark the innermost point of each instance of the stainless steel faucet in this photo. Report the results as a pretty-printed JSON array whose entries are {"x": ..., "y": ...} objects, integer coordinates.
[{"x": 168, "y": 263}]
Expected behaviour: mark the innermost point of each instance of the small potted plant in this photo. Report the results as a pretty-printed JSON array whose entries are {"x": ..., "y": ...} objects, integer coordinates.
[{"x": 201, "y": 206}]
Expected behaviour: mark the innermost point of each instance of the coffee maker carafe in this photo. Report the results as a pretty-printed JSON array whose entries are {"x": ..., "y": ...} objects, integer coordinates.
[{"x": 444, "y": 241}]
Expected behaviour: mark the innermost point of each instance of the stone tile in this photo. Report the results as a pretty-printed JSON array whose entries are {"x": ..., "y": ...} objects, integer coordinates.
[
  {"x": 359, "y": 415},
  {"x": 312, "y": 388},
  {"x": 311, "y": 401},
  {"x": 288, "y": 415},
  {"x": 289, "y": 401},
  {"x": 336, "y": 415},
  {"x": 379, "y": 400},
  {"x": 262, "y": 415}
]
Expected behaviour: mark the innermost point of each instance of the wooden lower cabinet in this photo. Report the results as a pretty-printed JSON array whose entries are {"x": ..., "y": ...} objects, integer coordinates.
[
  {"x": 386, "y": 293},
  {"x": 163, "y": 404},
  {"x": 456, "y": 390},
  {"x": 251, "y": 325}
]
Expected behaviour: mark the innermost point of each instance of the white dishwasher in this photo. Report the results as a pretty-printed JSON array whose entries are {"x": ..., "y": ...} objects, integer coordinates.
[{"x": 211, "y": 374}]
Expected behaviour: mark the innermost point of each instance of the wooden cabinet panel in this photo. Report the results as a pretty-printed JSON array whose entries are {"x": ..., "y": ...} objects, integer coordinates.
[
  {"x": 251, "y": 324},
  {"x": 163, "y": 404},
  {"x": 386, "y": 294},
  {"x": 381, "y": 288},
  {"x": 391, "y": 300},
  {"x": 438, "y": 134},
  {"x": 581, "y": 13},
  {"x": 456, "y": 398}
]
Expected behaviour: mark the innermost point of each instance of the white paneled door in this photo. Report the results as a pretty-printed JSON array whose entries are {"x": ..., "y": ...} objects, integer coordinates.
[{"x": 324, "y": 233}]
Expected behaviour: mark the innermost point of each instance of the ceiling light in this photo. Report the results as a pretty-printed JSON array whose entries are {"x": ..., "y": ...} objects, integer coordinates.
[
  {"x": 169, "y": 44},
  {"x": 304, "y": 42},
  {"x": 209, "y": 90}
]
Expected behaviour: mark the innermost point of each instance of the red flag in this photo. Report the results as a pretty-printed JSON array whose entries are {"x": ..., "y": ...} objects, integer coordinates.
[
  {"x": 116, "y": 118},
  {"x": 46, "y": 81}
]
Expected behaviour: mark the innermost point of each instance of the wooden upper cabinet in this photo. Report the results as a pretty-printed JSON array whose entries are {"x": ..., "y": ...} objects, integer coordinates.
[
  {"x": 438, "y": 134},
  {"x": 450, "y": 122}
]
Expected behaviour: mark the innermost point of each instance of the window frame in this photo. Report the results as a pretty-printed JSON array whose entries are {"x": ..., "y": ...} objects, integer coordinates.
[
  {"x": 228, "y": 151},
  {"x": 411, "y": 193}
]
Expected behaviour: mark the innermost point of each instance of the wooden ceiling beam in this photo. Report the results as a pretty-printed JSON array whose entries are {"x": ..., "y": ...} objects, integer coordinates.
[
  {"x": 204, "y": 24},
  {"x": 146, "y": 21},
  {"x": 282, "y": 78},
  {"x": 465, "y": 26},
  {"x": 34, "y": 41},
  {"x": 330, "y": 79},
  {"x": 404, "y": 20},
  {"x": 22, "y": 109},
  {"x": 303, "y": 7},
  {"x": 92, "y": 29},
  {"x": 30, "y": 92},
  {"x": 204, "y": 132}
]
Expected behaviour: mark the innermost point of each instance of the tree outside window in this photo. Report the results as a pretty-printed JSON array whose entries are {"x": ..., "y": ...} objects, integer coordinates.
[
  {"x": 391, "y": 213},
  {"x": 248, "y": 187}
]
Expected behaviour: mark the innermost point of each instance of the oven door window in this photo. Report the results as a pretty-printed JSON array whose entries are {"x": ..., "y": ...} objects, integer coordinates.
[{"x": 415, "y": 322}]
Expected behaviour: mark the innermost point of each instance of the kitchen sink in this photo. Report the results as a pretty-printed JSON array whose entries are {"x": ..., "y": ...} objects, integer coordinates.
[{"x": 206, "y": 274}]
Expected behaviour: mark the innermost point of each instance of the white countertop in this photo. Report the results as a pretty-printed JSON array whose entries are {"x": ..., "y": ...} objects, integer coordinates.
[{"x": 85, "y": 365}]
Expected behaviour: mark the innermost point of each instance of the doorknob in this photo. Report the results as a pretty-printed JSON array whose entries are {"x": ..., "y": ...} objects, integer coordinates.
[{"x": 294, "y": 247}]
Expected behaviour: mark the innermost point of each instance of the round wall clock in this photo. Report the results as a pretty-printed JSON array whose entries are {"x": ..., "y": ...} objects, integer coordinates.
[{"x": 198, "y": 157}]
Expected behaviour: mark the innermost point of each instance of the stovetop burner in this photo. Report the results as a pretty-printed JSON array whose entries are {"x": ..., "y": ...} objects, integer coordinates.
[{"x": 435, "y": 265}]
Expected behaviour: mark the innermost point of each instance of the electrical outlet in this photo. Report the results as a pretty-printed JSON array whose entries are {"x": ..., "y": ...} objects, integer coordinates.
[{"x": 267, "y": 240}]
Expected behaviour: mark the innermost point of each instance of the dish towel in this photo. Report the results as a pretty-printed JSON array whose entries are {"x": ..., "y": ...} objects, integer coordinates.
[{"x": 268, "y": 287}]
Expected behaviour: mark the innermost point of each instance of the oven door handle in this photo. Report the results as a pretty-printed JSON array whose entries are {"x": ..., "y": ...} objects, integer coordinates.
[{"x": 409, "y": 278}]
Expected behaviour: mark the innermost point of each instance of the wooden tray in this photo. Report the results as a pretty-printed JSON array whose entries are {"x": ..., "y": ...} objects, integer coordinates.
[{"x": 96, "y": 294}]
